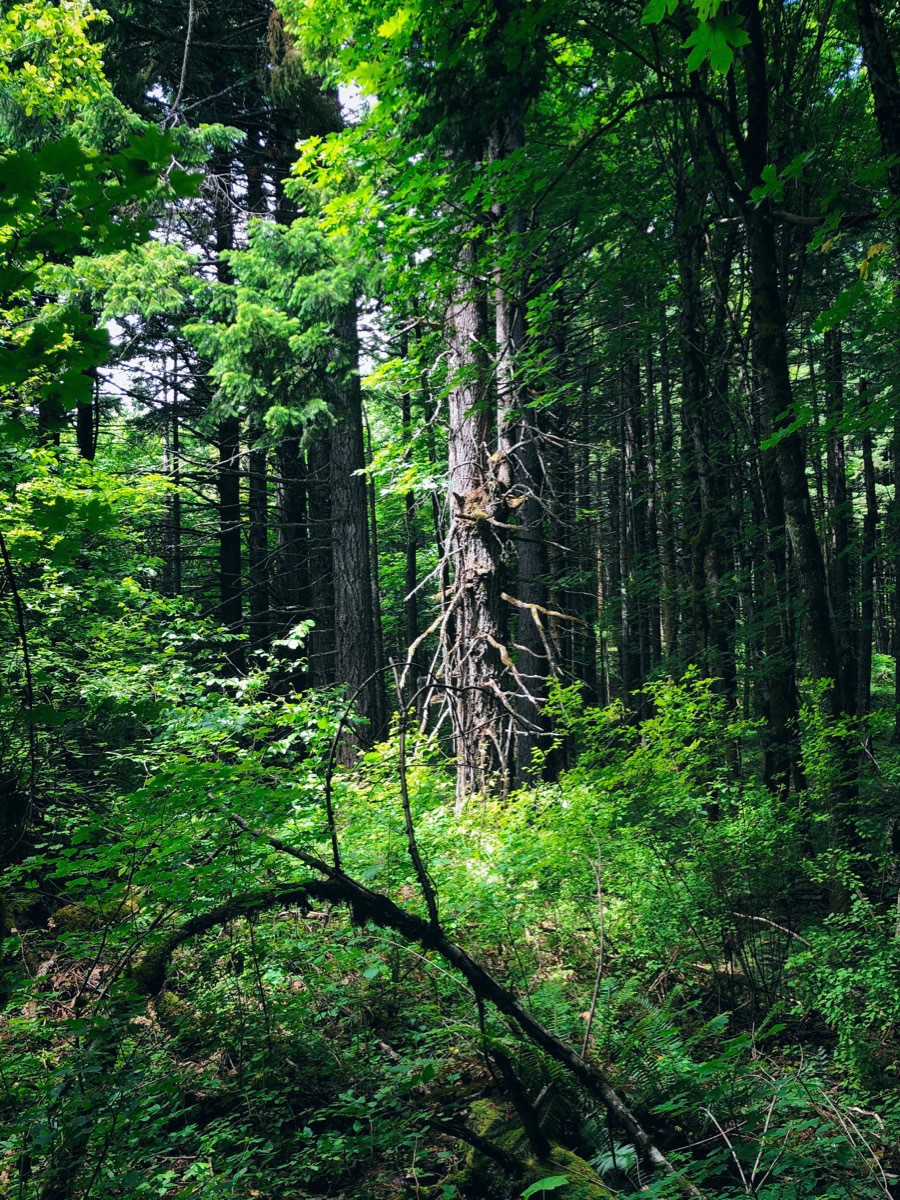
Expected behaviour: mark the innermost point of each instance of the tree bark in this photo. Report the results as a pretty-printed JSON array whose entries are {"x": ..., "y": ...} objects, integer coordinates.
[
  {"x": 87, "y": 419},
  {"x": 667, "y": 541},
  {"x": 173, "y": 555},
  {"x": 839, "y": 510},
  {"x": 230, "y": 610},
  {"x": 654, "y": 614},
  {"x": 635, "y": 632},
  {"x": 350, "y": 547},
  {"x": 476, "y": 657},
  {"x": 778, "y": 656},
  {"x": 884, "y": 81},
  {"x": 258, "y": 541},
  {"x": 290, "y": 596},
  {"x": 770, "y": 350},
  {"x": 410, "y": 556},
  {"x": 322, "y": 642},
  {"x": 519, "y": 470},
  {"x": 867, "y": 552}
]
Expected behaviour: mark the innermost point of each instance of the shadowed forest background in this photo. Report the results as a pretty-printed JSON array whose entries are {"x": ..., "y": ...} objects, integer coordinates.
[{"x": 449, "y": 599}]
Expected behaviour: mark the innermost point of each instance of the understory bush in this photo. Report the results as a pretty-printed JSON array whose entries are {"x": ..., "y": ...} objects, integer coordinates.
[{"x": 657, "y": 909}]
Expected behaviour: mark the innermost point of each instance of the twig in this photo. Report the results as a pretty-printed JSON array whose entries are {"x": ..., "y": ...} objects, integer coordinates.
[
  {"x": 774, "y": 925},
  {"x": 548, "y": 612},
  {"x": 173, "y": 111},
  {"x": 730, "y": 1145}
]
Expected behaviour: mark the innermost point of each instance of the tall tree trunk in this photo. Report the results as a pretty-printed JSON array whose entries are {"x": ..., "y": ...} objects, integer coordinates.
[
  {"x": 355, "y": 663},
  {"x": 87, "y": 419},
  {"x": 769, "y": 333},
  {"x": 668, "y": 556},
  {"x": 694, "y": 397},
  {"x": 866, "y": 578},
  {"x": 230, "y": 610},
  {"x": 258, "y": 560},
  {"x": 375, "y": 560},
  {"x": 322, "y": 638},
  {"x": 520, "y": 471},
  {"x": 773, "y": 591},
  {"x": 770, "y": 349},
  {"x": 173, "y": 467},
  {"x": 703, "y": 406},
  {"x": 584, "y": 540},
  {"x": 635, "y": 480},
  {"x": 476, "y": 657},
  {"x": 629, "y": 643},
  {"x": 613, "y": 598},
  {"x": 815, "y": 426},
  {"x": 603, "y": 585},
  {"x": 653, "y": 546},
  {"x": 839, "y": 510},
  {"x": 771, "y": 358},
  {"x": 411, "y": 566},
  {"x": 344, "y": 643},
  {"x": 290, "y": 599},
  {"x": 884, "y": 81},
  {"x": 258, "y": 541}
]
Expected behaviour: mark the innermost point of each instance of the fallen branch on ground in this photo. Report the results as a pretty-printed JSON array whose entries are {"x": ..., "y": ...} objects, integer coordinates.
[{"x": 336, "y": 886}]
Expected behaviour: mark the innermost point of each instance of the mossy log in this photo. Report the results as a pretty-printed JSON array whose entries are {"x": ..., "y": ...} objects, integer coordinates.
[{"x": 483, "y": 1176}]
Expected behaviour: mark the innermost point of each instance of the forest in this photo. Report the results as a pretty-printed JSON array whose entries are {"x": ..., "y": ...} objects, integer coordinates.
[{"x": 450, "y": 599}]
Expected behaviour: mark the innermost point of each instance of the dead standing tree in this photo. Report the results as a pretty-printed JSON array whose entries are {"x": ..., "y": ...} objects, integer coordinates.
[
  {"x": 476, "y": 661},
  {"x": 494, "y": 694},
  {"x": 520, "y": 461}
]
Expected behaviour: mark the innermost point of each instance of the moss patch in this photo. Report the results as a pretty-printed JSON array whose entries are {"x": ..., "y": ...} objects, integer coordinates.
[
  {"x": 583, "y": 1183},
  {"x": 76, "y": 918},
  {"x": 482, "y": 1178}
]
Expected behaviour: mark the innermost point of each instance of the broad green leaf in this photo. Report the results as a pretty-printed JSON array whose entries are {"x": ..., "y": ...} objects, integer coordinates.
[
  {"x": 550, "y": 1184},
  {"x": 394, "y": 24},
  {"x": 840, "y": 309},
  {"x": 656, "y": 10},
  {"x": 715, "y": 40},
  {"x": 770, "y": 186}
]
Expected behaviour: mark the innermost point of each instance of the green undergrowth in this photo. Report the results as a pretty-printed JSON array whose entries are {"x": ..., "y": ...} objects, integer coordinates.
[{"x": 657, "y": 907}]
